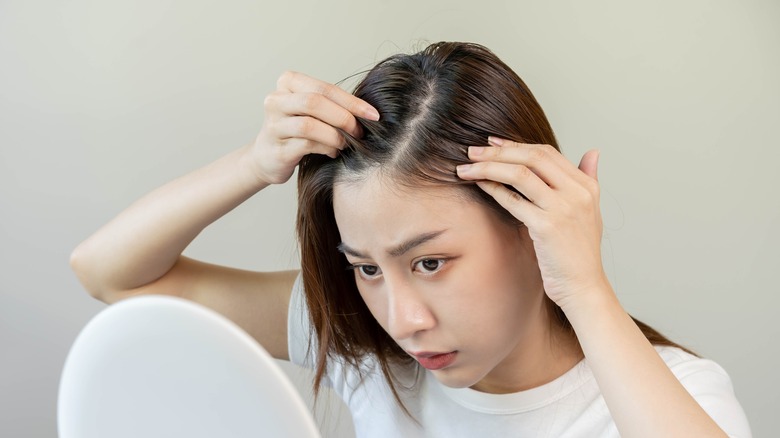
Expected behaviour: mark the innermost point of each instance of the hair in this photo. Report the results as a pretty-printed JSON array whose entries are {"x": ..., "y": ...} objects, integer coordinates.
[{"x": 433, "y": 105}]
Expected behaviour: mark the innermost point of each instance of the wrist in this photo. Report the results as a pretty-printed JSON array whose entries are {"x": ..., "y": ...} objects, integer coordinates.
[
  {"x": 249, "y": 171},
  {"x": 591, "y": 302}
]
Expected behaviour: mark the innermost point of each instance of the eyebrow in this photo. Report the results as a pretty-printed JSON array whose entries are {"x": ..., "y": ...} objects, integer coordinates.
[{"x": 396, "y": 251}]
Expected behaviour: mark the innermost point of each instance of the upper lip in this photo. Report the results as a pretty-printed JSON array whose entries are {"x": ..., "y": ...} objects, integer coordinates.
[{"x": 425, "y": 354}]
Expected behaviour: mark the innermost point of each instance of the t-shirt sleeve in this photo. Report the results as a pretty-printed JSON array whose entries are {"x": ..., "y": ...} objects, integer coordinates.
[
  {"x": 711, "y": 387},
  {"x": 299, "y": 329}
]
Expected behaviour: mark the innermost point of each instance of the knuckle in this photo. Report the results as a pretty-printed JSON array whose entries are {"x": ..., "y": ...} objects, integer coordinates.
[
  {"x": 310, "y": 102},
  {"x": 537, "y": 154},
  {"x": 345, "y": 121},
  {"x": 522, "y": 172},
  {"x": 582, "y": 203},
  {"x": 305, "y": 126},
  {"x": 284, "y": 78},
  {"x": 269, "y": 101},
  {"x": 514, "y": 195},
  {"x": 308, "y": 144},
  {"x": 336, "y": 140},
  {"x": 323, "y": 89},
  {"x": 566, "y": 210},
  {"x": 328, "y": 90}
]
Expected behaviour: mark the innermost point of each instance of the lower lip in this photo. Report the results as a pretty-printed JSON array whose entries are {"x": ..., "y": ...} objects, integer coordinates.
[{"x": 437, "y": 362}]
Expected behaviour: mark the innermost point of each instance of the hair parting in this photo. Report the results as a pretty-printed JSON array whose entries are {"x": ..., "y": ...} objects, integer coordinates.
[{"x": 434, "y": 104}]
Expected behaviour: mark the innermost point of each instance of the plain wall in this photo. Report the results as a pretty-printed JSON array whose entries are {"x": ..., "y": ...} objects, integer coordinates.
[{"x": 100, "y": 102}]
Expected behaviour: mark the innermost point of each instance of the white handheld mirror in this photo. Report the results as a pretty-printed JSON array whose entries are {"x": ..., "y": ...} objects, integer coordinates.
[{"x": 160, "y": 366}]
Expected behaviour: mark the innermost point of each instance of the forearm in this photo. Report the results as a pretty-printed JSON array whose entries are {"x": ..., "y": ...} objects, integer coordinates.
[
  {"x": 304, "y": 116},
  {"x": 145, "y": 241},
  {"x": 643, "y": 395}
]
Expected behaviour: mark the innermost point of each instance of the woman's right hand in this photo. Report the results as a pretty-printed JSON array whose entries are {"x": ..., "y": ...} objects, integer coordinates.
[
  {"x": 301, "y": 118},
  {"x": 140, "y": 251}
]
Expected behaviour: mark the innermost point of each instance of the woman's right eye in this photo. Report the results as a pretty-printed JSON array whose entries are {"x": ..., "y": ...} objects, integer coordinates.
[{"x": 368, "y": 272}]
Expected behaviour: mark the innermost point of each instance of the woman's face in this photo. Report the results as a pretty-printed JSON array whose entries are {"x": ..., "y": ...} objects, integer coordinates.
[{"x": 452, "y": 284}]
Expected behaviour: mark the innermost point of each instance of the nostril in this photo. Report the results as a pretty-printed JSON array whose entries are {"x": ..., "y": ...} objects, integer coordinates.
[{"x": 408, "y": 318}]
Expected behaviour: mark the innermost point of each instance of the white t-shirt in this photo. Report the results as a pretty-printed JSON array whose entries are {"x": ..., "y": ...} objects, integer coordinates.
[{"x": 569, "y": 406}]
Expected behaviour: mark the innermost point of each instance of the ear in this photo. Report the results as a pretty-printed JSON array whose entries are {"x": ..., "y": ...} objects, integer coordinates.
[{"x": 589, "y": 164}]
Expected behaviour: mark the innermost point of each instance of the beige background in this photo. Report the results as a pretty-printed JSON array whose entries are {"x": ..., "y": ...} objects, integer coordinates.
[{"x": 101, "y": 101}]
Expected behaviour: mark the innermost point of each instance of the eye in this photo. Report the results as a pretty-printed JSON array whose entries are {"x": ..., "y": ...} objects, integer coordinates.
[
  {"x": 429, "y": 266},
  {"x": 367, "y": 272}
]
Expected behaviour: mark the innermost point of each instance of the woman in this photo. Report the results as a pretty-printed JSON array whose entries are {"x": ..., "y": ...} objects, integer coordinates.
[{"x": 451, "y": 280}]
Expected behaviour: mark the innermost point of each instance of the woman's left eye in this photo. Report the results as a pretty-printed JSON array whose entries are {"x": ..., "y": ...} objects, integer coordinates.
[{"x": 429, "y": 266}]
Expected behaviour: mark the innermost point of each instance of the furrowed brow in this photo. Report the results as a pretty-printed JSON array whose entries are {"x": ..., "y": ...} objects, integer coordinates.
[
  {"x": 414, "y": 242},
  {"x": 397, "y": 251}
]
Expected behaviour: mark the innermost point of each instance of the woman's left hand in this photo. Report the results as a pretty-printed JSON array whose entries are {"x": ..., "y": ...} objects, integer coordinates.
[
  {"x": 563, "y": 219},
  {"x": 561, "y": 213}
]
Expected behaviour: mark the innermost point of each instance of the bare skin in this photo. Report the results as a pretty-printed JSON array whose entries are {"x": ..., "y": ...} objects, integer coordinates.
[
  {"x": 140, "y": 251},
  {"x": 564, "y": 220}
]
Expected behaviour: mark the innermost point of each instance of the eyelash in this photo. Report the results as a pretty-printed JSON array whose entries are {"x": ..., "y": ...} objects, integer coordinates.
[
  {"x": 442, "y": 262},
  {"x": 359, "y": 268}
]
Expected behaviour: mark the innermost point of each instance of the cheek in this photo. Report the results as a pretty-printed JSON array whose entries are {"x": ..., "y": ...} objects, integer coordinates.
[
  {"x": 376, "y": 304},
  {"x": 501, "y": 293},
  {"x": 515, "y": 265}
]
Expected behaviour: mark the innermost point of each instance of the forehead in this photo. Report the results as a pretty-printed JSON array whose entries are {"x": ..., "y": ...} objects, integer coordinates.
[
  {"x": 376, "y": 193},
  {"x": 375, "y": 212}
]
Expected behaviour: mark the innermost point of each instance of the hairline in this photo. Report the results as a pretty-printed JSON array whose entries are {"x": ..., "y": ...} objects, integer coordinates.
[{"x": 404, "y": 183}]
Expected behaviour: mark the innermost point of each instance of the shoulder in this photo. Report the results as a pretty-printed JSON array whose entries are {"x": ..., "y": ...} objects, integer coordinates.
[
  {"x": 687, "y": 366},
  {"x": 711, "y": 386}
]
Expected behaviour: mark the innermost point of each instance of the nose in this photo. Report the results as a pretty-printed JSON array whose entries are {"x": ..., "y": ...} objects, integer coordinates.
[{"x": 407, "y": 313}]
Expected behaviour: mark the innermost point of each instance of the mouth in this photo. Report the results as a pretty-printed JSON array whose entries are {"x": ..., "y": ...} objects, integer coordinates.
[{"x": 435, "y": 361}]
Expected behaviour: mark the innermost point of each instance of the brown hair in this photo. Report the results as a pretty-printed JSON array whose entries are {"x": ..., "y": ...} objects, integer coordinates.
[{"x": 433, "y": 105}]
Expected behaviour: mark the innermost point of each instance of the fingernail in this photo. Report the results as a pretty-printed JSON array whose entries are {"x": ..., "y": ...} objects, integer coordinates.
[
  {"x": 371, "y": 113},
  {"x": 495, "y": 141},
  {"x": 476, "y": 150},
  {"x": 463, "y": 168}
]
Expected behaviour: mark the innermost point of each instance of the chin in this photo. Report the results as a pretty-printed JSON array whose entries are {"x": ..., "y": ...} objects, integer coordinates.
[{"x": 457, "y": 378}]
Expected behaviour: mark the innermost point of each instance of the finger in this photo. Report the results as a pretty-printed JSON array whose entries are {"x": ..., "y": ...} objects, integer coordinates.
[
  {"x": 315, "y": 105},
  {"x": 543, "y": 160},
  {"x": 554, "y": 154},
  {"x": 522, "y": 209},
  {"x": 298, "y": 82},
  {"x": 518, "y": 176},
  {"x": 590, "y": 163},
  {"x": 308, "y": 128},
  {"x": 298, "y": 147}
]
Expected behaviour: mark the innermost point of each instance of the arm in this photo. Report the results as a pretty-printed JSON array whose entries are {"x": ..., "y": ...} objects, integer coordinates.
[
  {"x": 643, "y": 396},
  {"x": 563, "y": 218},
  {"x": 139, "y": 252}
]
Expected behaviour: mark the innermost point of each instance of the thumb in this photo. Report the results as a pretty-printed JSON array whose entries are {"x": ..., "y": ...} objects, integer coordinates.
[{"x": 590, "y": 163}]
